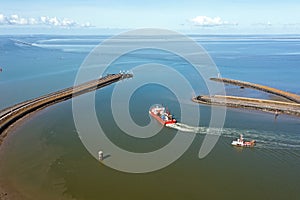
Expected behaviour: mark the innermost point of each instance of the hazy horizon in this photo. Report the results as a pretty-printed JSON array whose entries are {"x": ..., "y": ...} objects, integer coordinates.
[{"x": 113, "y": 17}]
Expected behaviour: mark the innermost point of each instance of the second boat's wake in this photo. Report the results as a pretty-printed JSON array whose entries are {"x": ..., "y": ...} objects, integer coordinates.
[{"x": 264, "y": 139}]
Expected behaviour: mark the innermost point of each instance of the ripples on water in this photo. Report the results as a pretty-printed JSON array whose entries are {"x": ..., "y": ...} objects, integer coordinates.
[{"x": 58, "y": 155}]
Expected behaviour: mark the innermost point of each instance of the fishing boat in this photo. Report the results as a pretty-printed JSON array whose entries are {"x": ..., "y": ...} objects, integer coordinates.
[
  {"x": 162, "y": 115},
  {"x": 240, "y": 142}
]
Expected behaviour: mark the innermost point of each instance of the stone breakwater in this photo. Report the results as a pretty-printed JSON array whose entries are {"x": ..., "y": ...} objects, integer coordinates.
[
  {"x": 277, "y": 107},
  {"x": 290, "y": 96},
  {"x": 12, "y": 114}
]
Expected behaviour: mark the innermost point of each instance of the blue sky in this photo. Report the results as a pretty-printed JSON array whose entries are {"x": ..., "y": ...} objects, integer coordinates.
[{"x": 192, "y": 16}]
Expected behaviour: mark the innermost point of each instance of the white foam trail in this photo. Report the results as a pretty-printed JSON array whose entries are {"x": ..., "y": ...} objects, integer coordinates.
[
  {"x": 264, "y": 139},
  {"x": 187, "y": 128},
  {"x": 66, "y": 47}
]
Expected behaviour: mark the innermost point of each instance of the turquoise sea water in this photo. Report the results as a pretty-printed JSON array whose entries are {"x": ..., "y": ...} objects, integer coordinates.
[{"x": 43, "y": 155}]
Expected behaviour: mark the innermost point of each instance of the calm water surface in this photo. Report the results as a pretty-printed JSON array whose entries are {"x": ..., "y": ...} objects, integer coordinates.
[{"x": 44, "y": 157}]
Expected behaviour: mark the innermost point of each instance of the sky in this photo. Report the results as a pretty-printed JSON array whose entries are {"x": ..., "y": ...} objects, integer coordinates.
[{"x": 189, "y": 16}]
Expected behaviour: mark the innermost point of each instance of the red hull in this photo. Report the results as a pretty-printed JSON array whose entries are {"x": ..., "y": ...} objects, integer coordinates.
[{"x": 173, "y": 121}]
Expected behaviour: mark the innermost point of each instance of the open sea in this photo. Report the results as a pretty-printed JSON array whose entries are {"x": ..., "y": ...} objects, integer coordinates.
[{"x": 43, "y": 157}]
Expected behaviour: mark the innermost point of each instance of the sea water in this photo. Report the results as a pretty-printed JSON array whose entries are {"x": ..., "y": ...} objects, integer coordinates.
[{"x": 43, "y": 155}]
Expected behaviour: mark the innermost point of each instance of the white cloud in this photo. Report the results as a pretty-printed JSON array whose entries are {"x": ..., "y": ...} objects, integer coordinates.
[
  {"x": 210, "y": 21},
  {"x": 43, "y": 20},
  {"x": 32, "y": 21},
  {"x": 54, "y": 21},
  {"x": 87, "y": 25},
  {"x": 2, "y": 19},
  {"x": 68, "y": 22}
]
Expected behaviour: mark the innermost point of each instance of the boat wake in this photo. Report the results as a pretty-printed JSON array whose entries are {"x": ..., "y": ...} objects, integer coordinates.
[
  {"x": 264, "y": 139},
  {"x": 21, "y": 43},
  {"x": 187, "y": 128}
]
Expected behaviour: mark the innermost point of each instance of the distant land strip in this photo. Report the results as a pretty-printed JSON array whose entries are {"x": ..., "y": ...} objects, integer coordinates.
[
  {"x": 276, "y": 107},
  {"x": 10, "y": 115}
]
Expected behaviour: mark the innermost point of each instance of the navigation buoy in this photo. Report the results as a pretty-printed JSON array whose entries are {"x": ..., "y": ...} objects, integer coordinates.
[{"x": 100, "y": 155}]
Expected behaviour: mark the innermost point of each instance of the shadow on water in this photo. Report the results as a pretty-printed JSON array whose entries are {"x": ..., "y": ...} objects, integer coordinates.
[{"x": 106, "y": 156}]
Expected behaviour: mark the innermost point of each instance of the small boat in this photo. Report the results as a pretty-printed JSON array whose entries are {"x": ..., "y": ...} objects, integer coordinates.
[
  {"x": 240, "y": 142},
  {"x": 162, "y": 115}
]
